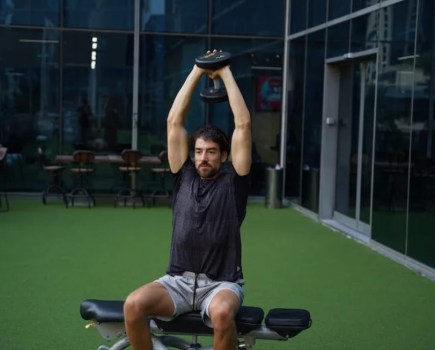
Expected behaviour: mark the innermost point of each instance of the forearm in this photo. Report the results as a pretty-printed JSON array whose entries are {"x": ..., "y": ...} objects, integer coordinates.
[
  {"x": 241, "y": 142},
  {"x": 237, "y": 103},
  {"x": 181, "y": 104},
  {"x": 178, "y": 147}
]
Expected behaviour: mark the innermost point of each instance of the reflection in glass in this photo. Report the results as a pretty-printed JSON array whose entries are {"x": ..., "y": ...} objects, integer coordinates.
[
  {"x": 230, "y": 17},
  {"x": 175, "y": 16},
  {"x": 354, "y": 149},
  {"x": 164, "y": 66},
  {"x": 29, "y": 109},
  {"x": 361, "y": 4},
  {"x": 97, "y": 91},
  {"x": 364, "y": 34},
  {"x": 338, "y": 39},
  {"x": 313, "y": 121},
  {"x": 421, "y": 240},
  {"x": 295, "y": 98},
  {"x": 29, "y": 13},
  {"x": 393, "y": 126},
  {"x": 104, "y": 14},
  {"x": 338, "y": 8},
  {"x": 298, "y": 16},
  {"x": 316, "y": 12}
]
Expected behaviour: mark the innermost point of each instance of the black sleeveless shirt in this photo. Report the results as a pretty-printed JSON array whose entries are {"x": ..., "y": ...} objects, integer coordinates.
[{"x": 207, "y": 215}]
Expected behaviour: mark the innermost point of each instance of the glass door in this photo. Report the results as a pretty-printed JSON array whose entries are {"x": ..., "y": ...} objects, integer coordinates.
[{"x": 356, "y": 113}]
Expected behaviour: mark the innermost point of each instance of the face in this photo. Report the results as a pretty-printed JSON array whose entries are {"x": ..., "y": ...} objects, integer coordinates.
[{"x": 208, "y": 158}]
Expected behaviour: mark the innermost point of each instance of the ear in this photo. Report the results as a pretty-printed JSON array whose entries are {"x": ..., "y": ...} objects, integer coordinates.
[{"x": 224, "y": 157}]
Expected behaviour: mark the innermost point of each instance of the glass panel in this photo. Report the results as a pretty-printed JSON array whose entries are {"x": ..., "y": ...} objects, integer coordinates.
[
  {"x": 164, "y": 66},
  {"x": 313, "y": 121},
  {"x": 107, "y": 14},
  {"x": 298, "y": 16},
  {"x": 338, "y": 39},
  {"x": 364, "y": 32},
  {"x": 97, "y": 93},
  {"x": 295, "y": 98},
  {"x": 361, "y": 4},
  {"x": 186, "y": 16},
  {"x": 367, "y": 140},
  {"x": 347, "y": 145},
  {"x": 338, "y": 8},
  {"x": 30, "y": 12},
  {"x": 248, "y": 17},
  {"x": 257, "y": 66},
  {"x": 393, "y": 124},
  {"x": 316, "y": 12},
  {"x": 97, "y": 96},
  {"x": 29, "y": 110},
  {"x": 355, "y": 135},
  {"x": 421, "y": 240}
]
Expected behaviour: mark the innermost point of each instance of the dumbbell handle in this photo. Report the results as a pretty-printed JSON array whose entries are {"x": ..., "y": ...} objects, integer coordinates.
[{"x": 217, "y": 83}]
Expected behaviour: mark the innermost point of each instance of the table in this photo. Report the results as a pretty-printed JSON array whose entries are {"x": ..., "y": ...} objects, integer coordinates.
[{"x": 110, "y": 158}]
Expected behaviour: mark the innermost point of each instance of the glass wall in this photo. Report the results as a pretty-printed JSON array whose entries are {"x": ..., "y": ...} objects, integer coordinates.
[
  {"x": 295, "y": 109},
  {"x": 43, "y": 13},
  {"x": 67, "y": 74},
  {"x": 312, "y": 120},
  {"x": 29, "y": 102},
  {"x": 399, "y": 81},
  {"x": 421, "y": 237},
  {"x": 394, "y": 117}
]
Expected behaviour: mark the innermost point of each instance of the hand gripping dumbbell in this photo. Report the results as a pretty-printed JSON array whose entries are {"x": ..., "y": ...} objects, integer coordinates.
[{"x": 212, "y": 61}]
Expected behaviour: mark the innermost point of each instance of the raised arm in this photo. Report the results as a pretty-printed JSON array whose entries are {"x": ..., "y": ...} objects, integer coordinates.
[
  {"x": 178, "y": 142},
  {"x": 241, "y": 142}
]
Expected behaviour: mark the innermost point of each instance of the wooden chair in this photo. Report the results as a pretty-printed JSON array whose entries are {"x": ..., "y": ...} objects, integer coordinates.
[
  {"x": 130, "y": 169},
  {"x": 55, "y": 187},
  {"x": 83, "y": 166}
]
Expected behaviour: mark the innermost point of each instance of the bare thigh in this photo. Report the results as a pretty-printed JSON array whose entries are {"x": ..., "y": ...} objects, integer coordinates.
[{"x": 151, "y": 299}]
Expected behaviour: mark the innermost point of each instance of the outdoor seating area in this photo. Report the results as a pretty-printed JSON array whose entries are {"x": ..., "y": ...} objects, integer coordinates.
[{"x": 357, "y": 298}]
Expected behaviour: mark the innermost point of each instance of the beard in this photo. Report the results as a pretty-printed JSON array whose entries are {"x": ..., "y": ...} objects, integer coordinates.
[{"x": 206, "y": 171}]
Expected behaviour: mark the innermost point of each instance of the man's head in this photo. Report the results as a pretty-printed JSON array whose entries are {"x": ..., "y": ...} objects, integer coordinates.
[{"x": 211, "y": 148}]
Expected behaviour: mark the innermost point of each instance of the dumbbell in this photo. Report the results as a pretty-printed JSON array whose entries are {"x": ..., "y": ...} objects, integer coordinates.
[{"x": 212, "y": 61}]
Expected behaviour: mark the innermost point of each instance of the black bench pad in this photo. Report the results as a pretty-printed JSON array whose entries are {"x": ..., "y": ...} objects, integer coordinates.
[
  {"x": 288, "y": 322},
  {"x": 248, "y": 318},
  {"x": 102, "y": 310}
]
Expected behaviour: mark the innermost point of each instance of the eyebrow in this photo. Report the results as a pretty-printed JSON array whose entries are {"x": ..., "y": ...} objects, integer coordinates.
[{"x": 206, "y": 148}]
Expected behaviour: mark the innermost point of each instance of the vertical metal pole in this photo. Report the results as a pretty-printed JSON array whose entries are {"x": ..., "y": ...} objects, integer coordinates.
[
  {"x": 284, "y": 104},
  {"x": 135, "y": 102}
]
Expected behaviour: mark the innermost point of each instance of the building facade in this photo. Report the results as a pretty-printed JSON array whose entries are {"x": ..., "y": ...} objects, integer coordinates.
[
  {"x": 359, "y": 121},
  {"x": 341, "y": 94}
]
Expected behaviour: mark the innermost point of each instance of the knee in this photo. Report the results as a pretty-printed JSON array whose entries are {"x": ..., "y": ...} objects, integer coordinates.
[
  {"x": 134, "y": 309},
  {"x": 222, "y": 318}
]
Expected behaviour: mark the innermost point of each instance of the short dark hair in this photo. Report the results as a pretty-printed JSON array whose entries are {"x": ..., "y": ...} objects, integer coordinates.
[{"x": 214, "y": 134}]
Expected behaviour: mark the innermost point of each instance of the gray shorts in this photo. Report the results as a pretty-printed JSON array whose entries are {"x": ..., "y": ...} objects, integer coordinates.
[{"x": 181, "y": 289}]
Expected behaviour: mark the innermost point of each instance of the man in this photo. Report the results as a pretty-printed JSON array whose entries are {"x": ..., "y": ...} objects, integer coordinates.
[{"x": 209, "y": 205}]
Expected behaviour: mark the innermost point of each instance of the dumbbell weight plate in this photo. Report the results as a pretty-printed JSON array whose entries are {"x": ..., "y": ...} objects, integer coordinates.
[
  {"x": 213, "y": 60},
  {"x": 212, "y": 95}
]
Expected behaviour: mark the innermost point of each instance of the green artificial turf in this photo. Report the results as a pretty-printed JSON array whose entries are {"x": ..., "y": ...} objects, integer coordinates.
[{"x": 51, "y": 258}]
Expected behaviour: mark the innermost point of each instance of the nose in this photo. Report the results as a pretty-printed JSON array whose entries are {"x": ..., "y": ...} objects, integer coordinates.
[{"x": 203, "y": 156}]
